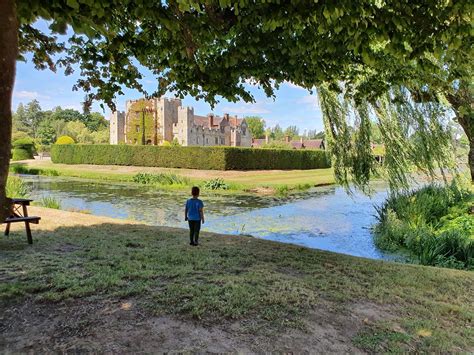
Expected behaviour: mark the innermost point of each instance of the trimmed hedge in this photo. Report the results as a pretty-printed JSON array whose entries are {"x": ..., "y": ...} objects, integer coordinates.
[
  {"x": 23, "y": 149},
  {"x": 212, "y": 158},
  {"x": 21, "y": 154}
]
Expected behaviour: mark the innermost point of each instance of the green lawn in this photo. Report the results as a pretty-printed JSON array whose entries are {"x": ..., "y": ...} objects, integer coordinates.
[
  {"x": 269, "y": 288},
  {"x": 238, "y": 180}
]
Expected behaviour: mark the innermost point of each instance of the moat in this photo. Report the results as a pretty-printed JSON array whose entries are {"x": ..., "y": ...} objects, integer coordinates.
[{"x": 324, "y": 218}]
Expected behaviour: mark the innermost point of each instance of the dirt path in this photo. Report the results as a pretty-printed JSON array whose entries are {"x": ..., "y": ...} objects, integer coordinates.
[{"x": 123, "y": 326}]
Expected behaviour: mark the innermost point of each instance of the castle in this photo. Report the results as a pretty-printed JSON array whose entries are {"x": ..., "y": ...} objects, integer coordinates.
[{"x": 159, "y": 120}]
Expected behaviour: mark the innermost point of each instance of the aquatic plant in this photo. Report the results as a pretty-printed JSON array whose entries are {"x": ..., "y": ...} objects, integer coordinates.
[
  {"x": 432, "y": 223},
  {"x": 22, "y": 169},
  {"x": 216, "y": 184},
  {"x": 50, "y": 202},
  {"x": 160, "y": 179},
  {"x": 282, "y": 190},
  {"x": 16, "y": 188}
]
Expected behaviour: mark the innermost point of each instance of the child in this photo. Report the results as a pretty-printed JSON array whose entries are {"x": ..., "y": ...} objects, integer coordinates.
[{"x": 194, "y": 214}]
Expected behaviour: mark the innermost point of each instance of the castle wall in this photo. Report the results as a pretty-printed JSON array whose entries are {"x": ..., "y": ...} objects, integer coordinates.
[
  {"x": 117, "y": 127},
  {"x": 167, "y": 110},
  {"x": 172, "y": 121}
]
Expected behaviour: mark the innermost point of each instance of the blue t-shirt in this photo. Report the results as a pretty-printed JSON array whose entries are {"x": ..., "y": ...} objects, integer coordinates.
[{"x": 193, "y": 206}]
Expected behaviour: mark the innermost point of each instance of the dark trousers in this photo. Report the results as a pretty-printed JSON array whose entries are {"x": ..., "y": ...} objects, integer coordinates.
[{"x": 194, "y": 228}]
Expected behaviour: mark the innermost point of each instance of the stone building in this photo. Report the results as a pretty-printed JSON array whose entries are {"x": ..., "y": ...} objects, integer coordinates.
[{"x": 158, "y": 120}]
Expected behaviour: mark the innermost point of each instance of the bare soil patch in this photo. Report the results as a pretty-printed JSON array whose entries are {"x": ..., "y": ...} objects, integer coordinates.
[{"x": 123, "y": 326}]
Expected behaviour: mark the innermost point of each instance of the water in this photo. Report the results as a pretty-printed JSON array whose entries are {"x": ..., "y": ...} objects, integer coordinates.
[{"x": 323, "y": 218}]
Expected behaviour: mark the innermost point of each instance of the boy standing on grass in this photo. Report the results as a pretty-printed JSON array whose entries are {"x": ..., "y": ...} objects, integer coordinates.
[{"x": 194, "y": 214}]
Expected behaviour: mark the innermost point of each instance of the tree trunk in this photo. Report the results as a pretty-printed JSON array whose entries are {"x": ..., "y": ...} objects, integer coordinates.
[
  {"x": 467, "y": 123},
  {"x": 8, "y": 56}
]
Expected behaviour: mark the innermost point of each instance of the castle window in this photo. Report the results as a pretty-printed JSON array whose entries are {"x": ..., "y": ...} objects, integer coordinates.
[
  {"x": 137, "y": 128},
  {"x": 207, "y": 140},
  {"x": 197, "y": 140},
  {"x": 217, "y": 140},
  {"x": 222, "y": 141}
]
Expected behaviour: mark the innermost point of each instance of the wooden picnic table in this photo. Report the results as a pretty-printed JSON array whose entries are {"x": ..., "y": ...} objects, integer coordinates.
[{"x": 19, "y": 213}]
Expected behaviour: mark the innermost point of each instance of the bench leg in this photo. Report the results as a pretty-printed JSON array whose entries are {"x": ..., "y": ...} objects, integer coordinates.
[
  {"x": 28, "y": 233},
  {"x": 7, "y": 229}
]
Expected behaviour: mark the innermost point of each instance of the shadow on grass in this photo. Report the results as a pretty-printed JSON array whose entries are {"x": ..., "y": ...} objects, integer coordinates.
[{"x": 271, "y": 285}]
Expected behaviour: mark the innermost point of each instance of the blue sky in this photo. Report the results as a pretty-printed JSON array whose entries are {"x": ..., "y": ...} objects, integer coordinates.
[{"x": 291, "y": 106}]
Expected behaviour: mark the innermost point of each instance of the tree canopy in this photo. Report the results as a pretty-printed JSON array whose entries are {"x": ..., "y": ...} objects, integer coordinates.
[
  {"x": 209, "y": 49},
  {"x": 256, "y": 126}
]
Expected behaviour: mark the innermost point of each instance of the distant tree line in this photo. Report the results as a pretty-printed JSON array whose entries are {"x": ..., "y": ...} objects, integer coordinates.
[
  {"x": 44, "y": 127},
  {"x": 258, "y": 128}
]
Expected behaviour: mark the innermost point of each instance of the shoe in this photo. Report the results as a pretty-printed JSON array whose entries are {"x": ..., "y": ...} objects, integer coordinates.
[{"x": 191, "y": 244}]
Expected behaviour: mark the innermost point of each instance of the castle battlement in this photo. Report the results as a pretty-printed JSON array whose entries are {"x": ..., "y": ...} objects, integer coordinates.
[{"x": 168, "y": 120}]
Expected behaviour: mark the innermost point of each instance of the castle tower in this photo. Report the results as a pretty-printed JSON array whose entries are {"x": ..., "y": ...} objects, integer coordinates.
[
  {"x": 117, "y": 127},
  {"x": 184, "y": 126},
  {"x": 167, "y": 111}
]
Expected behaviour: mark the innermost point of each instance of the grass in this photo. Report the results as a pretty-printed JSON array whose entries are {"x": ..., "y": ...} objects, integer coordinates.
[
  {"x": 267, "y": 286},
  {"x": 237, "y": 181}
]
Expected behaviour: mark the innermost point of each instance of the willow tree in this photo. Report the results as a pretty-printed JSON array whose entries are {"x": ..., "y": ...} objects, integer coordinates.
[{"x": 210, "y": 48}]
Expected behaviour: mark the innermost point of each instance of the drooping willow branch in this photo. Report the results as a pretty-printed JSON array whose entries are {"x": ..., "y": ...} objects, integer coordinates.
[{"x": 415, "y": 135}]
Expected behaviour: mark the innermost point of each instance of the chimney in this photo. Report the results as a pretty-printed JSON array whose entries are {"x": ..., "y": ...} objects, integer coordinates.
[
  {"x": 210, "y": 117},
  {"x": 226, "y": 116},
  {"x": 287, "y": 139},
  {"x": 267, "y": 139}
]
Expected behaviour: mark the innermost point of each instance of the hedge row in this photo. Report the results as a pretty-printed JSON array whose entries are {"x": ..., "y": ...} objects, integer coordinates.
[{"x": 212, "y": 158}]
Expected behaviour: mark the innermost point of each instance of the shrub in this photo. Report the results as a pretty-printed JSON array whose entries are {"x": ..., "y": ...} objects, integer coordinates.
[
  {"x": 21, "y": 154},
  {"x": 160, "y": 179},
  {"x": 433, "y": 224},
  {"x": 16, "y": 188},
  {"x": 216, "y": 184},
  {"x": 64, "y": 140},
  {"x": 212, "y": 158},
  {"x": 24, "y": 143},
  {"x": 23, "y": 149}
]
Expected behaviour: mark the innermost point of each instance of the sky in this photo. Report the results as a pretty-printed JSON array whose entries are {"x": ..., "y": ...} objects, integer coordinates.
[{"x": 292, "y": 105}]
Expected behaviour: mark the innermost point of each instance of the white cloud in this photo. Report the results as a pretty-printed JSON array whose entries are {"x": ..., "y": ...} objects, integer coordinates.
[
  {"x": 309, "y": 100},
  {"x": 294, "y": 86},
  {"x": 246, "y": 109},
  {"x": 29, "y": 95}
]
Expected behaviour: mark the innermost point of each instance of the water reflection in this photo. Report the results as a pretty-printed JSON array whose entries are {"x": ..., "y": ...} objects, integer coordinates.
[{"x": 325, "y": 218}]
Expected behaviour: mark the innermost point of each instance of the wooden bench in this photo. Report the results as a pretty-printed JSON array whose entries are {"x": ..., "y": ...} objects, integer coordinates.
[{"x": 20, "y": 214}]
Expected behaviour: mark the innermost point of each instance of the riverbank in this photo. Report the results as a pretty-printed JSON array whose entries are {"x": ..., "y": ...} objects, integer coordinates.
[
  {"x": 255, "y": 181},
  {"x": 434, "y": 224},
  {"x": 134, "y": 287}
]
